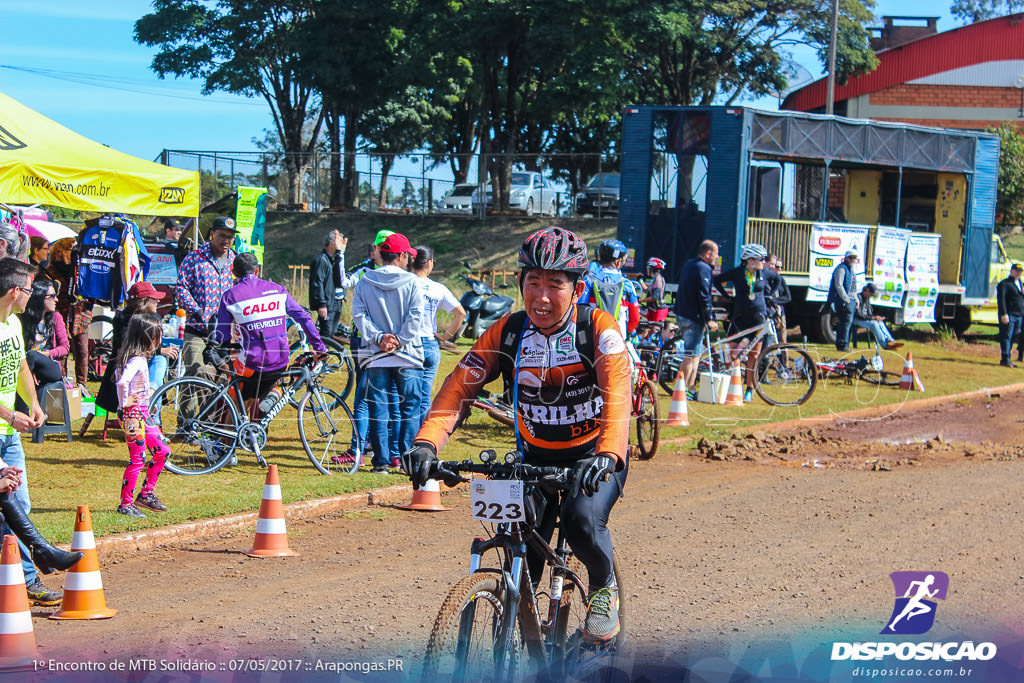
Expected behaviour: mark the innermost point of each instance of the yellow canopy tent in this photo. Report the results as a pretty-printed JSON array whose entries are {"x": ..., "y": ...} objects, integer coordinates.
[{"x": 42, "y": 162}]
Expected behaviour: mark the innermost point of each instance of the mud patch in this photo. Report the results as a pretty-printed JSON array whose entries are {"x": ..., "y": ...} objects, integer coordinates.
[{"x": 988, "y": 428}]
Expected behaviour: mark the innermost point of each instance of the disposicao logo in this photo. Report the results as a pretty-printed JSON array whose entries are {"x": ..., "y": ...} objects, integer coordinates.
[
  {"x": 916, "y": 595},
  {"x": 913, "y": 613}
]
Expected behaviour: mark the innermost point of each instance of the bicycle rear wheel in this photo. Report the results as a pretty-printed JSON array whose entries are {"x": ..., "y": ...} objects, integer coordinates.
[
  {"x": 325, "y": 429},
  {"x": 200, "y": 425},
  {"x": 785, "y": 375},
  {"x": 464, "y": 644},
  {"x": 648, "y": 426}
]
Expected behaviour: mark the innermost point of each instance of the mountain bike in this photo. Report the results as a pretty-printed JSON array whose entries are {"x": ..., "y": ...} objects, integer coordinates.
[
  {"x": 205, "y": 422},
  {"x": 499, "y": 622},
  {"x": 645, "y": 411},
  {"x": 784, "y": 374}
]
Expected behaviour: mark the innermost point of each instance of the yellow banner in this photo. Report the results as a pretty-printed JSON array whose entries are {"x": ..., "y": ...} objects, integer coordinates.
[{"x": 42, "y": 162}]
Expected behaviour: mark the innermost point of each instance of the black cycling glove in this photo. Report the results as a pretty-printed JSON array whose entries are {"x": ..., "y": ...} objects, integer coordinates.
[
  {"x": 417, "y": 462},
  {"x": 592, "y": 471}
]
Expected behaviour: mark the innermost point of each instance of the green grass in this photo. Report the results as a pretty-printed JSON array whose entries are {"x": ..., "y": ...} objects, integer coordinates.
[
  {"x": 88, "y": 471},
  {"x": 946, "y": 366}
]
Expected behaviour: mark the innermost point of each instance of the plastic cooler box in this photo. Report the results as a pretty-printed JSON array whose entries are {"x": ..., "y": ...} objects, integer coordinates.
[{"x": 713, "y": 387}]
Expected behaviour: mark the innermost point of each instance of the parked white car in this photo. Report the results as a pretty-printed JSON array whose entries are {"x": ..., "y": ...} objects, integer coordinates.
[
  {"x": 459, "y": 200},
  {"x": 528, "y": 192}
]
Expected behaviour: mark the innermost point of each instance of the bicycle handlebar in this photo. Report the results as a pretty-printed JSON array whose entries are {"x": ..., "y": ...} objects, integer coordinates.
[{"x": 530, "y": 474}]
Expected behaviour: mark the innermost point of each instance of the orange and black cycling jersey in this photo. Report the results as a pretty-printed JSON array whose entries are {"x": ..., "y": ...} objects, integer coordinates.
[{"x": 561, "y": 414}]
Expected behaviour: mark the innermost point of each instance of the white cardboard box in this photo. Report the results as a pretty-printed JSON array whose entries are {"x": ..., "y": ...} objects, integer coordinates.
[{"x": 713, "y": 387}]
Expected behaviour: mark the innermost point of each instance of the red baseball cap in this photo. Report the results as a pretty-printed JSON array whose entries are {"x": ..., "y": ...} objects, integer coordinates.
[
  {"x": 397, "y": 244},
  {"x": 144, "y": 290}
]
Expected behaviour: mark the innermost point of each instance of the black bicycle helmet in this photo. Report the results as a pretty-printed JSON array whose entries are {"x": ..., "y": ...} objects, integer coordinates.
[
  {"x": 609, "y": 250},
  {"x": 554, "y": 248}
]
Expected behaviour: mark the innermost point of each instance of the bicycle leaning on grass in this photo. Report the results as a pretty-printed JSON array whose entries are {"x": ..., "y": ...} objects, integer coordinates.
[
  {"x": 499, "y": 623},
  {"x": 206, "y": 422}
]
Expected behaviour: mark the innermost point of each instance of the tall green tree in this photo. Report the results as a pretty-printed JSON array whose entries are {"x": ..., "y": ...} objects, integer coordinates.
[
  {"x": 516, "y": 48},
  {"x": 249, "y": 48},
  {"x": 700, "y": 52},
  {"x": 1010, "y": 190},
  {"x": 399, "y": 126},
  {"x": 971, "y": 11}
]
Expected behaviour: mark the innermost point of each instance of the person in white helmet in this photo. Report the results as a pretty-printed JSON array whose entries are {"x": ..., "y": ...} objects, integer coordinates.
[{"x": 751, "y": 305}]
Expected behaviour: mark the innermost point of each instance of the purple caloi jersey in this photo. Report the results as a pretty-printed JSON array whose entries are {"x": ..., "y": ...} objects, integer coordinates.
[{"x": 260, "y": 310}]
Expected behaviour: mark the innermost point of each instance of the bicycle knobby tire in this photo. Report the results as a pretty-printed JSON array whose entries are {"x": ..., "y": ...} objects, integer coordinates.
[{"x": 456, "y": 650}]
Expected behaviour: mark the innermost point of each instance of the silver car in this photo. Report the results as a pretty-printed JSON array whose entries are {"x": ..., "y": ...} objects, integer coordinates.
[
  {"x": 530, "y": 193},
  {"x": 459, "y": 200}
]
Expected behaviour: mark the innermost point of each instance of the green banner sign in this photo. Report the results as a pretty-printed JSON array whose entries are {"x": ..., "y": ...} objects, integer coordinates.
[{"x": 251, "y": 220}]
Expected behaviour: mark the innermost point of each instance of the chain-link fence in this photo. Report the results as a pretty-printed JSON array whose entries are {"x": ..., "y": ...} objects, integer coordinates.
[{"x": 551, "y": 184}]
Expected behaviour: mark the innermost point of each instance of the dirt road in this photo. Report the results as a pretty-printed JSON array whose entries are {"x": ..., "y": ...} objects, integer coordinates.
[{"x": 753, "y": 560}]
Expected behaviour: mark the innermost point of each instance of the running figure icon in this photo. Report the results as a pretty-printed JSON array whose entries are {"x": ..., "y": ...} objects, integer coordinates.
[
  {"x": 916, "y": 596},
  {"x": 915, "y": 607}
]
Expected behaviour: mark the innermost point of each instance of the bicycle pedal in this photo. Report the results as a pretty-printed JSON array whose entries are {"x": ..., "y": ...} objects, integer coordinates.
[{"x": 261, "y": 460}]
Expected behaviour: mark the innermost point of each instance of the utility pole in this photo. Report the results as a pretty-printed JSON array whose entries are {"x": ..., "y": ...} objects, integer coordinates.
[{"x": 830, "y": 98}]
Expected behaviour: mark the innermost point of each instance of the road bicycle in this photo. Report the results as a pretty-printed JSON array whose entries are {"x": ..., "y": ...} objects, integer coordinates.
[
  {"x": 205, "y": 422},
  {"x": 499, "y": 623},
  {"x": 645, "y": 412}
]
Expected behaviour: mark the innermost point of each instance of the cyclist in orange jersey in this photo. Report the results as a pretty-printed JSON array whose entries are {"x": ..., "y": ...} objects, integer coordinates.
[{"x": 567, "y": 373}]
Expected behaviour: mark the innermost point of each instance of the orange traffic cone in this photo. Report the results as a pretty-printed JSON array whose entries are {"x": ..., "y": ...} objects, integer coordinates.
[
  {"x": 677, "y": 410},
  {"x": 909, "y": 379},
  {"x": 83, "y": 587},
  {"x": 271, "y": 535},
  {"x": 735, "y": 395},
  {"x": 427, "y": 498},
  {"x": 17, "y": 639}
]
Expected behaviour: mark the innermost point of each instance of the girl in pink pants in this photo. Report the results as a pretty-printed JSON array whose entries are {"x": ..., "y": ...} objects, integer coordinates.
[{"x": 142, "y": 340}]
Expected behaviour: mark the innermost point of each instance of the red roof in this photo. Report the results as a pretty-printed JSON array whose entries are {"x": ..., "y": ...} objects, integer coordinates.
[{"x": 986, "y": 41}]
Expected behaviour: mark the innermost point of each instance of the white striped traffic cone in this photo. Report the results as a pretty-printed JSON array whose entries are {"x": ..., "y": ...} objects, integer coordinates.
[
  {"x": 909, "y": 379},
  {"x": 271, "y": 534},
  {"x": 735, "y": 395},
  {"x": 83, "y": 586},
  {"x": 17, "y": 639},
  {"x": 427, "y": 498},
  {"x": 678, "y": 415}
]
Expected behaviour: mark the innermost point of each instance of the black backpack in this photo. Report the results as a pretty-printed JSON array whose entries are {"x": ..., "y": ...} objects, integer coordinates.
[{"x": 512, "y": 335}]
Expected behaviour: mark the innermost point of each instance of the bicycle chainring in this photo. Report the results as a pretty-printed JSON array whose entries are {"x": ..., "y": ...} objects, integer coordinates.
[{"x": 252, "y": 433}]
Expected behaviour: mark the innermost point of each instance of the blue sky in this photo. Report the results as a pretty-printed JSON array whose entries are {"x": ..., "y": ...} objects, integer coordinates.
[{"x": 136, "y": 112}]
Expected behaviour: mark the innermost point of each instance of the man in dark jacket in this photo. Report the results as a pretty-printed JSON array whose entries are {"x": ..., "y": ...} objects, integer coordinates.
[
  {"x": 693, "y": 307},
  {"x": 842, "y": 294},
  {"x": 1010, "y": 298},
  {"x": 325, "y": 283}
]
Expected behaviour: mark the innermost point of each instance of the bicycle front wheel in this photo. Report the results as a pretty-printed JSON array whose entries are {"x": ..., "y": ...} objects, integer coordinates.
[
  {"x": 785, "y": 375},
  {"x": 325, "y": 429},
  {"x": 199, "y": 422},
  {"x": 466, "y": 642},
  {"x": 648, "y": 426}
]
